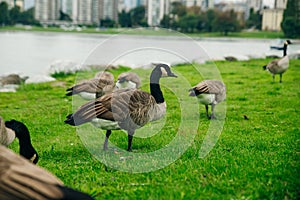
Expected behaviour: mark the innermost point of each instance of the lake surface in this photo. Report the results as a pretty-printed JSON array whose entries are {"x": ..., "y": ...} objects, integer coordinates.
[{"x": 32, "y": 53}]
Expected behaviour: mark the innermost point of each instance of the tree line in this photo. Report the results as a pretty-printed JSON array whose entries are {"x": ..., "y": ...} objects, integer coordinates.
[
  {"x": 181, "y": 18},
  {"x": 15, "y": 15}
]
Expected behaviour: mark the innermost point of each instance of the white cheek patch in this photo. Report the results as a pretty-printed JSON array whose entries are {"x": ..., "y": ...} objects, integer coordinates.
[{"x": 163, "y": 72}]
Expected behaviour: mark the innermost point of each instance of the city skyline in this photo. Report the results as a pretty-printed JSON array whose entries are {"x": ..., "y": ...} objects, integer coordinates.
[{"x": 30, "y": 3}]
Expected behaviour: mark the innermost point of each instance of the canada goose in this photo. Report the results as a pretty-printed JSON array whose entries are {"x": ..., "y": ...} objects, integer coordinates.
[
  {"x": 19, "y": 179},
  {"x": 281, "y": 65},
  {"x": 10, "y": 130},
  {"x": 130, "y": 108},
  {"x": 128, "y": 80},
  {"x": 13, "y": 79},
  {"x": 102, "y": 83},
  {"x": 209, "y": 92}
]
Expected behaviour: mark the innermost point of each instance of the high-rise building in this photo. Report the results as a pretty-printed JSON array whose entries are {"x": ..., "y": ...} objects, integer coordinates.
[
  {"x": 108, "y": 9},
  {"x": 84, "y": 12},
  {"x": 272, "y": 18},
  {"x": 156, "y": 9},
  {"x": 257, "y": 5},
  {"x": 280, "y": 4},
  {"x": 207, "y": 4},
  {"x": 47, "y": 11},
  {"x": 190, "y": 3}
]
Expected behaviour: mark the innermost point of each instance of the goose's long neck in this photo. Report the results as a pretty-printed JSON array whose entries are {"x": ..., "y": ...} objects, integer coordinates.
[
  {"x": 284, "y": 49},
  {"x": 26, "y": 148},
  {"x": 155, "y": 87}
]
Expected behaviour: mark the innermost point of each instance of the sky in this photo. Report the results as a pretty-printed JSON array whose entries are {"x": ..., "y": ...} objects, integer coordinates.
[{"x": 30, "y": 3}]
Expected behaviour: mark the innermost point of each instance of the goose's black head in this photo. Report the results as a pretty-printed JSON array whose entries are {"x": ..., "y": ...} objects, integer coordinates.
[
  {"x": 22, "y": 133},
  {"x": 165, "y": 70},
  {"x": 264, "y": 67},
  {"x": 193, "y": 92},
  {"x": 18, "y": 127},
  {"x": 288, "y": 42}
]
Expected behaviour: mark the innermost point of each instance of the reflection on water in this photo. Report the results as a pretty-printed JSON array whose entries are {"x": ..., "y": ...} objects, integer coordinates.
[{"x": 32, "y": 53}]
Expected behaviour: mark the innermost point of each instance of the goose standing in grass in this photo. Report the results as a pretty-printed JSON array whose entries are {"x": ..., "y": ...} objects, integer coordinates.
[
  {"x": 130, "y": 108},
  {"x": 209, "y": 92},
  {"x": 128, "y": 80},
  {"x": 281, "y": 65},
  {"x": 19, "y": 179},
  {"x": 102, "y": 83},
  {"x": 11, "y": 129}
]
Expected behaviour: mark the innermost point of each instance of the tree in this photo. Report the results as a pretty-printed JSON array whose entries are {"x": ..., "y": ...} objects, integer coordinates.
[
  {"x": 178, "y": 9},
  {"x": 124, "y": 19},
  {"x": 254, "y": 20},
  {"x": 226, "y": 22},
  {"x": 107, "y": 23},
  {"x": 166, "y": 21},
  {"x": 64, "y": 16},
  {"x": 188, "y": 23},
  {"x": 4, "y": 14},
  {"x": 210, "y": 16},
  {"x": 291, "y": 19},
  {"x": 27, "y": 17},
  {"x": 15, "y": 15},
  {"x": 137, "y": 16}
]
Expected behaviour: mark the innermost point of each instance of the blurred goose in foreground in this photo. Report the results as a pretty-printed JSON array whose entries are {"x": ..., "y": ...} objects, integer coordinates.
[
  {"x": 102, "y": 83},
  {"x": 128, "y": 109},
  {"x": 281, "y": 65},
  {"x": 19, "y": 179},
  {"x": 11, "y": 129},
  {"x": 209, "y": 92},
  {"x": 128, "y": 80}
]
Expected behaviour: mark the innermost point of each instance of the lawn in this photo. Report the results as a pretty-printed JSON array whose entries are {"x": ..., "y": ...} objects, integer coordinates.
[{"x": 256, "y": 158}]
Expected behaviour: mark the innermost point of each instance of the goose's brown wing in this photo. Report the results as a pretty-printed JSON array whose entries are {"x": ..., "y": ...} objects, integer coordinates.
[
  {"x": 94, "y": 85},
  {"x": 20, "y": 179},
  {"x": 209, "y": 87},
  {"x": 129, "y": 107}
]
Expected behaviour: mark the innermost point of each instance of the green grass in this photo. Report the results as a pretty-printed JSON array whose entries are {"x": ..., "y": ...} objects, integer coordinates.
[
  {"x": 253, "y": 159},
  {"x": 242, "y": 34}
]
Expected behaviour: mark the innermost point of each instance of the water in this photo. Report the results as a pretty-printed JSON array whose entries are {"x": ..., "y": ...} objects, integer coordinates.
[{"x": 32, "y": 53}]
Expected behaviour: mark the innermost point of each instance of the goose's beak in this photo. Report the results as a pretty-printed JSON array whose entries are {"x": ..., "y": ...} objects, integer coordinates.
[{"x": 173, "y": 75}]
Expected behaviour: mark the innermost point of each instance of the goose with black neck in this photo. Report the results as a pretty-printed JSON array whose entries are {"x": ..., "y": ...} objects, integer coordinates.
[
  {"x": 21, "y": 132},
  {"x": 129, "y": 109},
  {"x": 281, "y": 65}
]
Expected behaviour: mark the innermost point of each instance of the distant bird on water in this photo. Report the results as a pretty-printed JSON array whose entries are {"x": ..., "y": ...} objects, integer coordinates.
[
  {"x": 279, "y": 66},
  {"x": 19, "y": 179},
  {"x": 209, "y": 92}
]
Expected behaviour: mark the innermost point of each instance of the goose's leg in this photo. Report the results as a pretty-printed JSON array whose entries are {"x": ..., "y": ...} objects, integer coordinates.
[
  {"x": 280, "y": 78},
  {"x": 273, "y": 77},
  {"x": 212, "y": 112},
  {"x": 130, "y": 137},
  {"x": 206, "y": 108},
  {"x": 108, "y": 132}
]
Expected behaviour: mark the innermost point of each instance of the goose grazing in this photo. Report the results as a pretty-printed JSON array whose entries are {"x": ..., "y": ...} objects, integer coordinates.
[
  {"x": 102, "y": 83},
  {"x": 128, "y": 80},
  {"x": 129, "y": 109},
  {"x": 19, "y": 179},
  {"x": 10, "y": 130},
  {"x": 281, "y": 65},
  {"x": 209, "y": 92}
]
